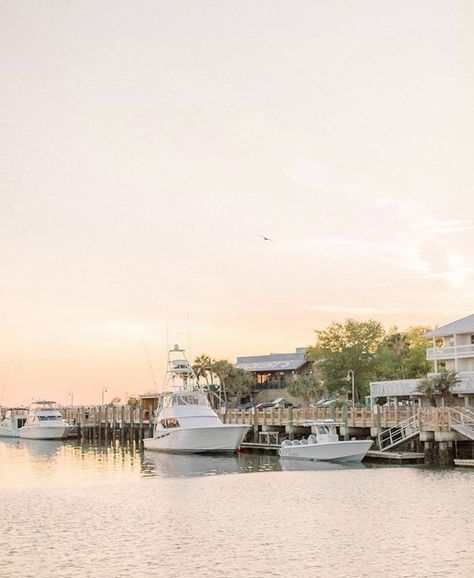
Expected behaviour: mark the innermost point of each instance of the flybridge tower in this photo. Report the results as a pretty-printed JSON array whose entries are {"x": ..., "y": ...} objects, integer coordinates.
[{"x": 180, "y": 368}]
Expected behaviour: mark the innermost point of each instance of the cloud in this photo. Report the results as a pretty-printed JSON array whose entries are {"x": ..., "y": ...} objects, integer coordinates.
[
  {"x": 407, "y": 237},
  {"x": 424, "y": 221}
]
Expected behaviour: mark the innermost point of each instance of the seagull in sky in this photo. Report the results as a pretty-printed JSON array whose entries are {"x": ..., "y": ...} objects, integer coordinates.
[{"x": 266, "y": 238}]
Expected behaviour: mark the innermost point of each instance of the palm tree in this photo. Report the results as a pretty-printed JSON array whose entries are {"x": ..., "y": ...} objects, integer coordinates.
[
  {"x": 223, "y": 369},
  {"x": 427, "y": 387},
  {"x": 398, "y": 343},
  {"x": 440, "y": 383},
  {"x": 202, "y": 367}
]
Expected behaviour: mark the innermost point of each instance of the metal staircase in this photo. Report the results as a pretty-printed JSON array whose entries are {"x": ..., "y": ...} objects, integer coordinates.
[
  {"x": 398, "y": 434},
  {"x": 462, "y": 421}
]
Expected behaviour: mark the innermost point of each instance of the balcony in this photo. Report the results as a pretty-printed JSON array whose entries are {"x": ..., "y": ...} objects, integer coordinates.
[{"x": 444, "y": 353}]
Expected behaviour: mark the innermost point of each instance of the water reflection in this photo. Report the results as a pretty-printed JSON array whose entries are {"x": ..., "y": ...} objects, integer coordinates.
[
  {"x": 156, "y": 464},
  {"x": 43, "y": 449},
  {"x": 73, "y": 461},
  {"x": 292, "y": 465}
]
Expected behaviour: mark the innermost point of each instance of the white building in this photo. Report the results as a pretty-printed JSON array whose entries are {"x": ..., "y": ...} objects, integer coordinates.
[{"x": 453, "y": 349}]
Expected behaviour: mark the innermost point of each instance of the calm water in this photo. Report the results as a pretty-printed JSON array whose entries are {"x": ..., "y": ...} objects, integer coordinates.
[{"x": 71, "y": 510}]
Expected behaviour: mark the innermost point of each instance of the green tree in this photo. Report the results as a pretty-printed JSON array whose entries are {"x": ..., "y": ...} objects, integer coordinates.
[
  {"x": 240, "y": 383},
  {"x": 402, "y": 355},
  {"x": 343, "y": 346},
  {"x": 416, "y": 364},
  {"x": 306, "y": 387}
]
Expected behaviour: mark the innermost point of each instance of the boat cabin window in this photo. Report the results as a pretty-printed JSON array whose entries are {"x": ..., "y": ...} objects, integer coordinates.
[
  {"x": 186, "y": 398},
  {"x": 169, "y": 422}
]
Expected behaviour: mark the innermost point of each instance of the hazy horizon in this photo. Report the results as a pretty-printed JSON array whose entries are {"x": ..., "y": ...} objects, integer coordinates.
[{"x": 149, "y": 145}]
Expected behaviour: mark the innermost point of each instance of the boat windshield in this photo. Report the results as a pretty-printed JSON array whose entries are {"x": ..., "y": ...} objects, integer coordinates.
[
  {"x": 326, "y": 430},
  {"x": 185, "y": 398}
]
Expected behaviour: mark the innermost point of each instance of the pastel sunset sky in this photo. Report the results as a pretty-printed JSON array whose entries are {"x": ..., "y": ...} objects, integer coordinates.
[{"x": 147, "y": 145}]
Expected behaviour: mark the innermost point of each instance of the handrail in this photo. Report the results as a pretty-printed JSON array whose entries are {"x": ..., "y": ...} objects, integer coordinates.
[
  {"x": 395, "y": 435},
  {"x": 464, "y": 416}
]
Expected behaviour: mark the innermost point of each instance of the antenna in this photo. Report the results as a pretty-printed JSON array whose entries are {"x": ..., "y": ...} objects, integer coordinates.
[
  {"x": 151, "y": 367},
  {"x": 5, "y": 384},
  {"x": 190, "y": 353},
  {"x": 166, "y": 347}
]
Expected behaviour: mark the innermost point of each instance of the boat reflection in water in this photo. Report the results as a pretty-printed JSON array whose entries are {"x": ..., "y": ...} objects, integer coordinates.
[
  {"x": 188, "y": 465},
  {"x": 42, "y": 449},
  {"x": 292, "y": 465}
]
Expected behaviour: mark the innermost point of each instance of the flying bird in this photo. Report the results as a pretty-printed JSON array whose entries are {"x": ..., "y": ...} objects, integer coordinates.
[{"x": 266, "y": 238}]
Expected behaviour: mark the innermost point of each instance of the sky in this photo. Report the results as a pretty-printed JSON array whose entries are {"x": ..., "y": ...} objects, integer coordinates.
[{"x": 147, "y": 146}]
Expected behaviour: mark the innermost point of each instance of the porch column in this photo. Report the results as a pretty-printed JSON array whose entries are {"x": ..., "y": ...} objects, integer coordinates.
[
  {"x": 435, "y": 356},
  {"x": 455, "y": 354}
]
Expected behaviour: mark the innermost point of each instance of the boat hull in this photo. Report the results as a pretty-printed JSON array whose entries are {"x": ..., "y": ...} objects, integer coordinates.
[
  {"x": 219, "y": 439},
  {"x": 44, "y": 433},
  {"x": 9, "y": 433},
  {"x": 341, "y": 451}
]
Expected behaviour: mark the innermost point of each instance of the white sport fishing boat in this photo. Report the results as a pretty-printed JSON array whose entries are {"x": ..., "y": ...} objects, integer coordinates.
[
  {"x": 185, "y": 421},
  {"x": 13, "y": 420},
  {"x": 324, "y": 445},
  {"x": 44, "y": 422}
]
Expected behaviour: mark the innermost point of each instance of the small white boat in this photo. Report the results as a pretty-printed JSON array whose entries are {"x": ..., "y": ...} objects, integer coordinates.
[
  {"x": 13, "y": 420},
  {"x": 44, "y": 422},
  {"x": 324, "y": 445},
  {"x": 185, "y": 421}
]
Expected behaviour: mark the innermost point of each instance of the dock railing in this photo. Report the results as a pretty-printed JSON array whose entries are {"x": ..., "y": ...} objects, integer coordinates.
[
  {"x": 429, "y": 418},
  {"x": 381, "y": 418}
]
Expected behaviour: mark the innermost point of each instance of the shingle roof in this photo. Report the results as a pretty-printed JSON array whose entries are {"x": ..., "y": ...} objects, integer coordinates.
[{"x": 464, "y": 325}]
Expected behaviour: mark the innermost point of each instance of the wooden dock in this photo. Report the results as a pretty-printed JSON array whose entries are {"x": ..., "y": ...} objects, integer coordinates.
[
  {"x": 434, "y": 435},
  {"x": 396, "y": 457},
  {"x": 259, "y": 446},
  {"x": 464, "y": 463}
]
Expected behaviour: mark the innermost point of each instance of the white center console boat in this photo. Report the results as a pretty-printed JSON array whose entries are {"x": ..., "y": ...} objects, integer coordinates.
[
  {"x": 324, "y": 445},
  {"x": 44, "y": 422},
  {"x": 185, "y": 421}
]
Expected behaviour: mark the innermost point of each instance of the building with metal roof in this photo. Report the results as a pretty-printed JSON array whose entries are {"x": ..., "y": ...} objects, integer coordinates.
[{"x": 275, "y": 370}]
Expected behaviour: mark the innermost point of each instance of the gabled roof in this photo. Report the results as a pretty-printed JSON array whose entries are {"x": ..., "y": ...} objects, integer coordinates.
[{"x": 464, "y": 325}]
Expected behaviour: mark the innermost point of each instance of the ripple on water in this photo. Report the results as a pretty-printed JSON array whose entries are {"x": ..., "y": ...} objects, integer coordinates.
[{"x": 71, "y": 510}]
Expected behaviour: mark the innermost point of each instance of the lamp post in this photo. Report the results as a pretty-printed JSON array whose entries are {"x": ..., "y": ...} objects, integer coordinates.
[
  {"x": 71, "y": 395},
  {"x": 104, "y": 389},
  {"x": 350, "y": 377}
]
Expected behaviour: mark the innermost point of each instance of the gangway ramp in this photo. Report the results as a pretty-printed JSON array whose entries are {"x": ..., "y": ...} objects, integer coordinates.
[
  {"x": 398, "y": 434},
  {"x": 462, "y": 421}
]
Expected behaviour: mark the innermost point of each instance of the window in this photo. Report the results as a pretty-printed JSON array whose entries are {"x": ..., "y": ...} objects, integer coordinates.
[
  {"x": 472, "y": 339},
  {"x": 169, "y": 422}
]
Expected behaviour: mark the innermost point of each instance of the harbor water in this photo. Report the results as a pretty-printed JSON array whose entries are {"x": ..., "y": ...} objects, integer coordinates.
[{"x": 71, "y": 510}]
